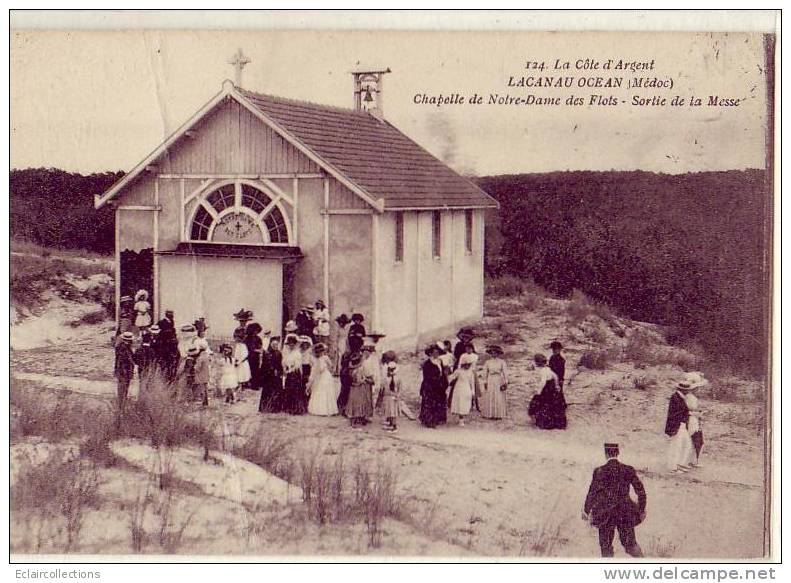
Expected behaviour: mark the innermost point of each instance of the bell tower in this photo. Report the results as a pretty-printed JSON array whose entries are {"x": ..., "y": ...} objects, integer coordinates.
[{"x": 368, "y": 90}]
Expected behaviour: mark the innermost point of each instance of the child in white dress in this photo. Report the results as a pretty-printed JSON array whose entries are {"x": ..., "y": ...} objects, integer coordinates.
[
  {"x": 464, "y": 389},
  {"x": 142, "y": 309},
  {"x": 228, "y": 378},
  {"x": 391, "y": 395},
  {"x": 240, "y": 360},
  {"x": 321, "y": 387}
]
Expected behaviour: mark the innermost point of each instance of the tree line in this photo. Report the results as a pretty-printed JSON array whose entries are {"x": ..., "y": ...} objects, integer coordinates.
[
  {"x": 54, "y": 208},
  {"x": 688, "y": 251}
]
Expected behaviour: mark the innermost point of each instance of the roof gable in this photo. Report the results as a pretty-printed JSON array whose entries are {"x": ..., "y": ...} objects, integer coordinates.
[{"x": 369, "y": 156}]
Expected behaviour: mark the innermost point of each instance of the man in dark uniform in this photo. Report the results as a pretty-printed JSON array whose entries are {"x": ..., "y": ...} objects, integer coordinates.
[{"x": 608, "y": 505}]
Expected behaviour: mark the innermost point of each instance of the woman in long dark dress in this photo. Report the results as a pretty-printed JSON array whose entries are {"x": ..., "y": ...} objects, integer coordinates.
[
  {"x": 548, "y": 408},
  {"x": 254, "y": 349},
  {"x": 433, "y": 404},
  {"x": 293, "y": 399}
]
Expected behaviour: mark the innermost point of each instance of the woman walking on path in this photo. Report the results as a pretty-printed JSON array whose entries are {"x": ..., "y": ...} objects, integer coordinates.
[
  {"x": 495, "y": 379},
  {"x": 321, "y": 387},
  {"x": 547, "y": 408},
  {"x": 433, "y": 404},
  {"x": 694, "y": 426}
]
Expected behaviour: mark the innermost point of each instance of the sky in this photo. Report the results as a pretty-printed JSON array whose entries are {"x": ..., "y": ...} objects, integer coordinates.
[{"x": 91, "y": 101}]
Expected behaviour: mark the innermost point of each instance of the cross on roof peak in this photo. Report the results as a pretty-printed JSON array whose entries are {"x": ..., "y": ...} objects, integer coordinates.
[{"x": 239, "y": 60}]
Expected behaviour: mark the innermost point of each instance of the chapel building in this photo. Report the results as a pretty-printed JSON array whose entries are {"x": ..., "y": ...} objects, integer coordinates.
[{"x": 269, "y": 204}]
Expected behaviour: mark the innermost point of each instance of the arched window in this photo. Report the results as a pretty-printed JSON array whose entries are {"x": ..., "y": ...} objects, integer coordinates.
[{"x": 238, "y": 212}]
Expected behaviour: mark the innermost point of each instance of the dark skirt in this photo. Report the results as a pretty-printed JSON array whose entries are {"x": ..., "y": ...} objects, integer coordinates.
[
  {"x": 433, "y": 407},
  {"x": 549, "y": 408},
  {"x": 294, "y": 399}
]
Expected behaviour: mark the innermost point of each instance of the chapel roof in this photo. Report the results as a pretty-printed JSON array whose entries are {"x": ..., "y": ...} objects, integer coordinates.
[
  {"x": 366, "y": 153},
  {"x": 373, "y": 154}
]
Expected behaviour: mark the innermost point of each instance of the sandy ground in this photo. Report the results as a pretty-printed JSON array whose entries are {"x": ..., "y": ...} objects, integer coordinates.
[{"x": 492, "y": 488}]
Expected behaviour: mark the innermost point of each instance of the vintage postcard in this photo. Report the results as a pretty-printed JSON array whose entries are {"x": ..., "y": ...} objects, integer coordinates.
[{"x": 329, "y": 293}]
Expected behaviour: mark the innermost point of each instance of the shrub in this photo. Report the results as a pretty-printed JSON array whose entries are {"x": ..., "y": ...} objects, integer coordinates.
[
  {"x": 543, "y": 541},
  {"x": 53, "y": 498},
  {"x": 595, "y": 359},
  {"x": 93, "y": 317},
  {"x": 511, "y": 286},
  {"x": 580, "y": 307}
]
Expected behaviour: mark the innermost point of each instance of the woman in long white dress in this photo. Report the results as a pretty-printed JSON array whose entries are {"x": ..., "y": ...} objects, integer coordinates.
[
  {"x": 493, "y": 403},
  {"x": 464, "y": 389},
  {"x": 240, "y": 360},
  {"x": 321, "y": 387}
]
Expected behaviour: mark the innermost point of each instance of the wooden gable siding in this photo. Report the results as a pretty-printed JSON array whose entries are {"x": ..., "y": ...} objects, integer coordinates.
[
  {"x": 232, "y": 141},
  {"x": 343, "y": 198}
]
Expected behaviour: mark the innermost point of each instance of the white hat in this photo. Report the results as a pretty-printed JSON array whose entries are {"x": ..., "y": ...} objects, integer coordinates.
[
  {"x": 692, "y": 381},
  {"x": 467, "y": 359}
]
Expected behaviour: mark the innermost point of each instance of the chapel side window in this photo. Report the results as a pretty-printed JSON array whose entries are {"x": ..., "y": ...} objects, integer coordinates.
[
  {"x": 436, "y": 234},
  {"x": 468, "y": 231},
  {"x": 399, "y": 237}
]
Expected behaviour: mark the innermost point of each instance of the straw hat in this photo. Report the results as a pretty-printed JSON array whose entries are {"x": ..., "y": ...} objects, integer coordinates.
[
  {"x": 691, "y": 381},
  {"x": 127, "y": 337},
  {"x": 291, "y": 326},
  {"x": 141, "y": 295}
]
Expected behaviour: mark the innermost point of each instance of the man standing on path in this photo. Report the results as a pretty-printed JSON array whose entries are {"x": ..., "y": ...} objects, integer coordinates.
[
  {"x": 124, "y": 368},
  {"x": 608, "y": 505}
]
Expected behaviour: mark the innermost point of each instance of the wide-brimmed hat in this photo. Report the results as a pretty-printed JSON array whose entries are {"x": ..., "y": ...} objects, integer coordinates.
[
  {"x": 266, "y": 332},
  {"x": 291, "y": 326},
  {"x": 357, "y": 316},
  {"x": 494, "y": 349},
  {"x": 376, "y": 335},
  {"x": 305, "y": 340},
  {"x": 322, "y": 302},
  {"x": 141, "y": 295},
  {"x": 154, "y": 329},
  {"x": 188, "y": 328},
  {"x": 127, "y": 337},
  {"x": 465, "y": 332},
  {"x": 432, "y": 348},
  {"x": 692, "y": 380},
  {"x": 540, "y": 359},
  {"x": 243, "y": 315},
  {"x": 556, "y": 345},
  {"x": 343, "y": 319}
]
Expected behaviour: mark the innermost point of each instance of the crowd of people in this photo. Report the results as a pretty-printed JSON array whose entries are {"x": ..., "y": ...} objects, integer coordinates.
[
  {"x": 323, "y": 367},
  {"x": 326, "y": 370}
]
